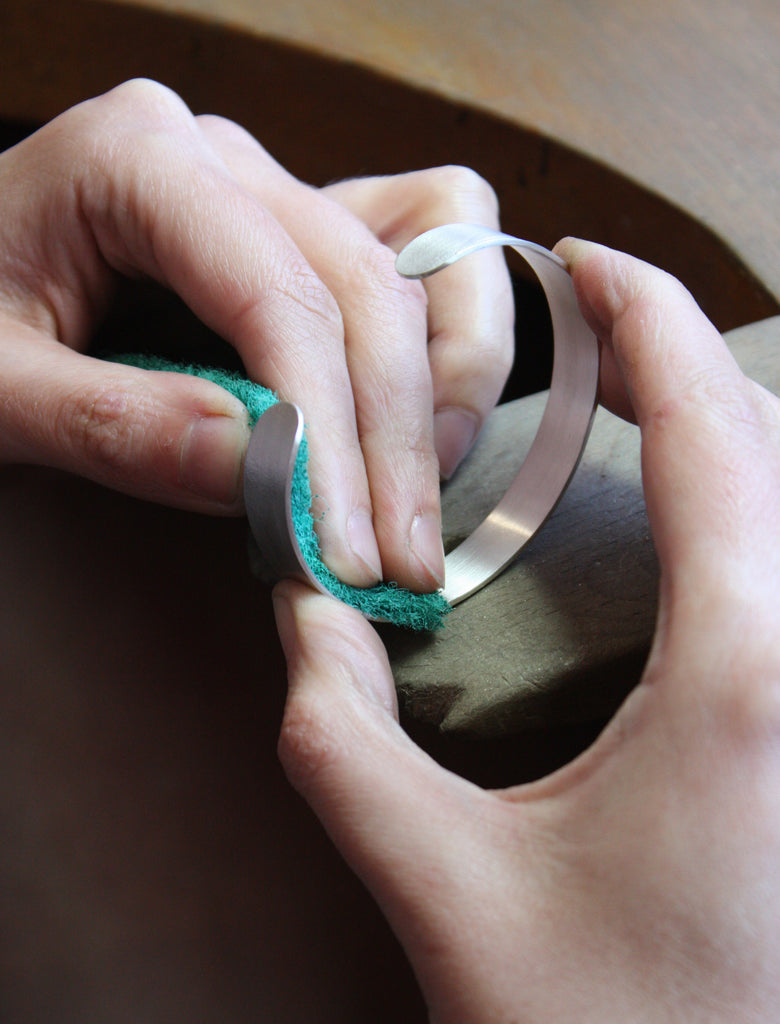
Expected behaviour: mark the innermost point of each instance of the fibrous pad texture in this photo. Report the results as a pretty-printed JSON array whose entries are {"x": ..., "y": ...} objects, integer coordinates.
[{"x": 385, "y": 601}]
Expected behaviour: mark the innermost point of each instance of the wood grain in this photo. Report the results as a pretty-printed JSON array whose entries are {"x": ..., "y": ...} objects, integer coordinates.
[
  {"x": 683, "y": 98},
  {"x": 325, "y": 112},
  {"x": 154, "y": 863}
]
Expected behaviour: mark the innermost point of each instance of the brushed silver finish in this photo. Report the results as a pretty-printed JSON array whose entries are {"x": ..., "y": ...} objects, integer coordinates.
[
  {"x": 268, "y": 475},
  {"x": 540, "y": 481},
  {"x": 556, "y": 450}
]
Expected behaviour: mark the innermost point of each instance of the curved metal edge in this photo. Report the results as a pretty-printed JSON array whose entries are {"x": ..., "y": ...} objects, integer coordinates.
[
  {"x": 565, "y": 425},
  {"x": 438, "y": 248},
  {"x": 268, "y": 474},
  {"x": 541, "y": 480}
]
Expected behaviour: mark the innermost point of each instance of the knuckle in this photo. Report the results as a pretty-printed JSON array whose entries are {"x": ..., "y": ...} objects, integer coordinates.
[
  {"x": 400, "y": 395},
  {"x": 226, "y": 133},
  {"x": 97, "y": 425},
  {"x": 302, "y": 301},
  {"x": 467, "y": 191},
  {"x": 374, "y": 276},
  {"x": 728, "y": 415},
  {"x": 147, "y": 102},
  {"x": 456, "y": 365},
  {"x": 747, "y": 408},
  {"x": 120, "y": 135},
  {"x": 136, "y": 124},
  {"x": 301, "y": 284},
  {"x": 494, "y": 357},
  {"x": 737, "y": 681},
  {"x": 222, "y": 125},
  {"x": 750, "y": 714},
  {"x": 137, "y": 106},
  {"x": 306, "y": 749},
  {"x": 232, "y": 139}
]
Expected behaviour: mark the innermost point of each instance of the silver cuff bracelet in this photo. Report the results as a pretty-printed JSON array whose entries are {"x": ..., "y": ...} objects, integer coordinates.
[{"x": 540, "y": 481}]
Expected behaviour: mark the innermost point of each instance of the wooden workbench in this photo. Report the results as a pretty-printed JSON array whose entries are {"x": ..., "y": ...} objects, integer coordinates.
[{"x": 154, "y": 865}]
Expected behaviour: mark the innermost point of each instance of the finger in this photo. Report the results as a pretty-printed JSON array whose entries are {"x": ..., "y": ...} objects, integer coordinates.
[
  {"x": 341, "y": 744},
  {"x": 710, "y": 436},
  {"x": 385, "y": 341},
  {"x": 141, "y": 190},
  {"x": 396, "y": 816},
  {"x": 471, "y": 307},
  {"x": 642, "y": 315},
  {"x": 165, "y": 437}
]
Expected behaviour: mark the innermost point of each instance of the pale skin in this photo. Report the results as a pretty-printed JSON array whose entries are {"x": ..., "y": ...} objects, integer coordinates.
[
  {"x": 394, "y": 378},
  {"x": 642, "y": 881},
  {"x": 639, "y": 883}
]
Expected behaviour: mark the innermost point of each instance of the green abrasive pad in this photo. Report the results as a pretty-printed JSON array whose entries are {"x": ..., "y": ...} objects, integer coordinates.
[{"x": 385, "y": 601}]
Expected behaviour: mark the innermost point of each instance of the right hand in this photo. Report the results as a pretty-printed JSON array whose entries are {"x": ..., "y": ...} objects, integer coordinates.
[{"x": 640, "y": 882}]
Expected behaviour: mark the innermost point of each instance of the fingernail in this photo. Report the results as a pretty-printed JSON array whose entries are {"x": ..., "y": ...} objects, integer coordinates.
[
  {"x": 569, "y": 248},
  {"x": 362, "y": 542},
  {"x": 427, "y": 551},
  {"x": 454, "y": 431},
  {"x": 211, "y": 458}
]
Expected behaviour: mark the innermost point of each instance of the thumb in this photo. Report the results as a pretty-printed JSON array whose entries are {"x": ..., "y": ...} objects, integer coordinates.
[
  {"x": 395, "y": 815},
  {"x": 166, "y": 437},
  {"x": 457, "y": 871}
]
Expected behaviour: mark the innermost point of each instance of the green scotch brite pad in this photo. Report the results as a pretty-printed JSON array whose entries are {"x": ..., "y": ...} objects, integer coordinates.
[{"x": 385, "y": 601}]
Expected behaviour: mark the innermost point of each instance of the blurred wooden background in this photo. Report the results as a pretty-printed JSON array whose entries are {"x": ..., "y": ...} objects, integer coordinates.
[{"x": 154, "y": 864}]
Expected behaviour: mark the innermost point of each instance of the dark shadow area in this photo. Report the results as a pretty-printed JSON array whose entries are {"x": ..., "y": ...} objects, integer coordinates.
[
  {"x": 496, "y": 762},
  {"x": 12, "y": 132},
  {"x": 532, "y": 367}
]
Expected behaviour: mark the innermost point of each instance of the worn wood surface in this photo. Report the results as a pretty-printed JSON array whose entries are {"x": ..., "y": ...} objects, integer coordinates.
[
  {"x": 684, "y": 98},
  {"x": 154, "y": 863},
  {"x": 647, "y": 127}
]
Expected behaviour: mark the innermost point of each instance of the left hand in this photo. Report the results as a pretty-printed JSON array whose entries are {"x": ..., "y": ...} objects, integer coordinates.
[{"x": 301, "y": 281}]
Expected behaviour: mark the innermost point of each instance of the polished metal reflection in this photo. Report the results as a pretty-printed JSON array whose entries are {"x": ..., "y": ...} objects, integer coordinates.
[
  {"x": 268, "y": 476},
  {"x": 540, "y": 481}
]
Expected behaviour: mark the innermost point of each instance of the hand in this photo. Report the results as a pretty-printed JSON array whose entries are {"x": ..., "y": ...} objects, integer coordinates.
[
  {"x": 301, "y": 281},
  {"x": 641, "y": 881}
]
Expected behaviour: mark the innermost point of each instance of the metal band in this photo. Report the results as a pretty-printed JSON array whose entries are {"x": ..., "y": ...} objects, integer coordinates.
[{"x": 540, "y": 481}]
